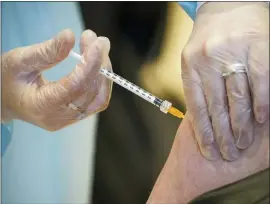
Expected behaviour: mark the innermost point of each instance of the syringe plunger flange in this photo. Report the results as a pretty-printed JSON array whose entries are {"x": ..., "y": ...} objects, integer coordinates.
[{"x": 165, "y": 106}]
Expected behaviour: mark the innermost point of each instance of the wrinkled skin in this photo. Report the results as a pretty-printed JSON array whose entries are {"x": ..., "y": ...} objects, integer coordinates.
[
  {"x": 224, "y": 109},
  {"x": 187, "y": 174},
  {"x": 27, "y": 96}
]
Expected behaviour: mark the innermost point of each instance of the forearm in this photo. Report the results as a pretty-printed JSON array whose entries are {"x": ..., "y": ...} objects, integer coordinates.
[{"x": 188, "y": 174}]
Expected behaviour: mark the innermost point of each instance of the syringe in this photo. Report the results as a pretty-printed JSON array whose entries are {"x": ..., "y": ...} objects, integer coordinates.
[{"x": 164, "y": 106}]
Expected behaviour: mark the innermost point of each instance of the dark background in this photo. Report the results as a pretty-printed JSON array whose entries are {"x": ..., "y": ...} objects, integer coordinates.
[{"x": 131, "y": 142}]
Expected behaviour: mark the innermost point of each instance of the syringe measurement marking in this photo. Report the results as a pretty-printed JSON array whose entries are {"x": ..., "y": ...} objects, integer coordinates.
[
  {"x": 132, "y": 87},
  {"x": 140, "y": 92},
  {"x": 139, "y": 89}
]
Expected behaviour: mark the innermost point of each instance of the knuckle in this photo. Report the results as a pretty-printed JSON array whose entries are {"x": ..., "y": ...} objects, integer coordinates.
[
  {"x": 211, "y": 46},
  {"x": 77, "y": 84},
  {"x": 238, "y": 95},
  {"x": 236, "y": 98},
  {"x": 54, "y": 50},
  {"x": 217, "y": 110},
  {"x": 216, "y": 46},
  {"x": 220, "y": 113},
  {"x": 186, "y": 55},
  {"x": 46, "y": 54}
]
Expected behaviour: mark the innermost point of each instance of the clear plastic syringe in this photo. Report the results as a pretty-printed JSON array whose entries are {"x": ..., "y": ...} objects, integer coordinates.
[{"x": 164, "y": 106}]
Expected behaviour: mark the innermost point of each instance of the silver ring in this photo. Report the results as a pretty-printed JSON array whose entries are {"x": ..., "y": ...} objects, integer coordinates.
[{"x": 234, "y": 69}]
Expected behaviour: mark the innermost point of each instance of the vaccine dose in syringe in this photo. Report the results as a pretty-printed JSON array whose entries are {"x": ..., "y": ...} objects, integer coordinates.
[{"x": 164, "y": 106}]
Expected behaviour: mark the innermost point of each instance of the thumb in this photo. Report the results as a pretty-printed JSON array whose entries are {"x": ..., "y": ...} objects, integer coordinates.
[{"x": 44, "y": 55}]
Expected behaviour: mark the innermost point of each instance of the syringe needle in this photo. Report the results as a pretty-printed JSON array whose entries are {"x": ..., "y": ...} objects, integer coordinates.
[
  {"x": 164, "y": 106},
  {"x": 176, "y": 112}
]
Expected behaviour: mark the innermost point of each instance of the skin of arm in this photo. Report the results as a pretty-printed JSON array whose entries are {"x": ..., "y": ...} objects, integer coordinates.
[{"x": 187, "y": 174}]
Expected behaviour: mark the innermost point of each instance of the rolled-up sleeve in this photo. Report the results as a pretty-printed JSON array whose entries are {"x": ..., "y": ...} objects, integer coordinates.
[{"x": 190, "y": 8}]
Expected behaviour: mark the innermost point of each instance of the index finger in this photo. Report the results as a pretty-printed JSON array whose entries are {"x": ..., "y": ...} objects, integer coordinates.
[
  {"x": 197, "y": 106},
  {"x": 76, "y": 83}
]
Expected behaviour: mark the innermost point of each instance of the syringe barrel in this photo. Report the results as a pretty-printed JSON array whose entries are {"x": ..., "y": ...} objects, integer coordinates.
[
  {"x": 163, "y": 105},
  {"x": 131, "y": 87}
]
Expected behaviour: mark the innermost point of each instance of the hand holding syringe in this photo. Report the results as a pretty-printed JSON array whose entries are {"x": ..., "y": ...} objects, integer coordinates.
[{"x": 164, "y": 106}]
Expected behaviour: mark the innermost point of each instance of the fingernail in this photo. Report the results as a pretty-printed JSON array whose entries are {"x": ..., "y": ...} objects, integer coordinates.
[
  {"x": 90, "y": 33},
  {"x": 244, "y": 140},
  {"x": 229, "y": 152},
  {"x": 106, "y": 44},
  {"x": 210, "y": 153}
]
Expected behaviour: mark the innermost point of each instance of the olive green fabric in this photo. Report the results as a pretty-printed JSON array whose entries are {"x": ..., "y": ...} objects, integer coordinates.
[
  {"x": 133, "y": 138},
  {"x": 251, "y": 190}
]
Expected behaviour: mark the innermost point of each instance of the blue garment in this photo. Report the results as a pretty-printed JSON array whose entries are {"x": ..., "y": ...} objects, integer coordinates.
[
  {"x": 6, "y": 133},
  {"x": 40, "y": 166},
  {"x": 189, "y": 7}
]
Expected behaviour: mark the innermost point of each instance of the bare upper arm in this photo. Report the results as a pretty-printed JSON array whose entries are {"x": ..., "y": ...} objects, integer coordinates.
[{"x": 188, "y": 174}]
